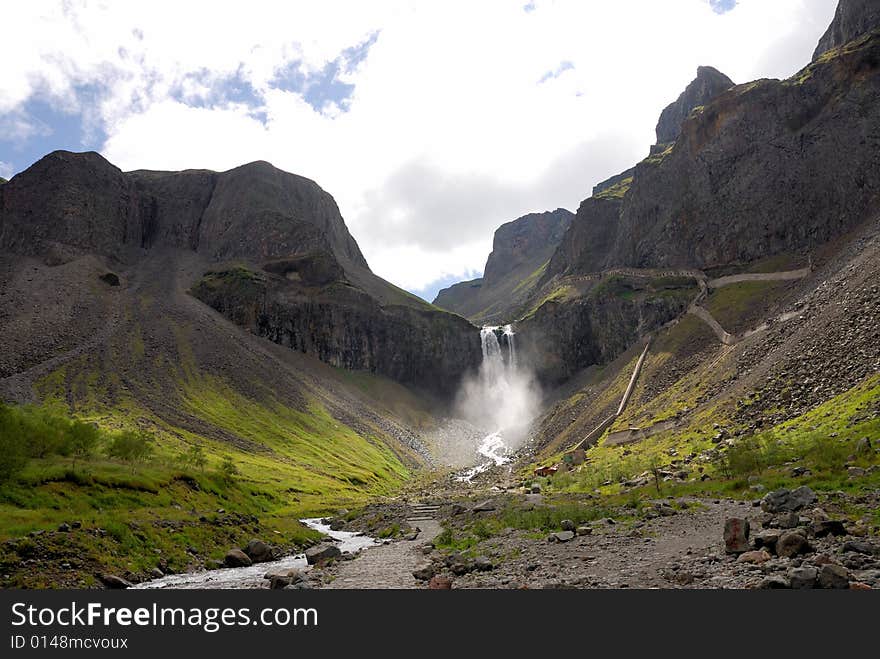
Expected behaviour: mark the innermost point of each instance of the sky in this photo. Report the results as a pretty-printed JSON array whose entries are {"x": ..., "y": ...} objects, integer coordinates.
[{"x": 431, "y": 123}]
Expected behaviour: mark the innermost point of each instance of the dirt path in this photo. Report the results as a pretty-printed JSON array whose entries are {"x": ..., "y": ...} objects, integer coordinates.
[{"x": 389, "y": 565}]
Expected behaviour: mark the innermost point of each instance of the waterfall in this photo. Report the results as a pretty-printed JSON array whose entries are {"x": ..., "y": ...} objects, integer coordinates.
[{"x": 500, "y": 399}]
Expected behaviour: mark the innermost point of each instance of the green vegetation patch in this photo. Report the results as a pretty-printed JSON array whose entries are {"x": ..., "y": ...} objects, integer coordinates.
[
  {"x": 616, "y": 191},
  {"x": 729, "y": 305}
]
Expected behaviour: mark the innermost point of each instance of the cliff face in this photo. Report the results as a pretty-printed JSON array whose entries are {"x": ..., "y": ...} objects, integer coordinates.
[
  {"x": 766, "y": 167},
  {"x": 285, "y": 229},
  {"x": 852, "y": 19},
  {"x": 345, "y": 327},
  {"x": 707, "y": 85},
  {"x": 520, "y": 251}
]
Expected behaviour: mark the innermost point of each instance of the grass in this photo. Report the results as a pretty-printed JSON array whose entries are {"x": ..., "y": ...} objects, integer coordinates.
[
  {"x": 730, "y": 304},
  {"x": 532, "y": 279},
  {"x": 557, "y": 295},
  {"x": 616, "y": 191}
]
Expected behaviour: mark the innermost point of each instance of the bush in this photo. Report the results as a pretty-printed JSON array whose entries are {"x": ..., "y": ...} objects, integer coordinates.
[
  {"x": 228, "y": 470},
  {"x": 13, "y": 451},
  {"x": 130, "y": 446},
  {"x": 194, "y": 457},
  {"x": 82, "y": 439}
]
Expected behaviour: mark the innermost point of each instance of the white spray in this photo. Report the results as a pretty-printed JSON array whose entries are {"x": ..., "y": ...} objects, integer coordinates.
[{"x": 502, "y": 400}]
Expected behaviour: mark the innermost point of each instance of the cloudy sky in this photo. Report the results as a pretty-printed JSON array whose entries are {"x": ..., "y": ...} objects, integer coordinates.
[{"x": 431, "y": 122}]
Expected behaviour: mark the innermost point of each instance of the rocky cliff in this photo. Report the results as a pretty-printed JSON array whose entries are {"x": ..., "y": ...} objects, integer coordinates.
[
  {"x": 707, "y": 85},
  {"x": 520, "y": 251},
  {"x": 852, "y": 19},
  {"x": 282, "y": 228}
]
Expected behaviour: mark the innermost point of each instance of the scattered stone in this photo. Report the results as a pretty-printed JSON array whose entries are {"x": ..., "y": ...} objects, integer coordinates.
[
  {"x": 855, "y": 472},
  {"x": 787, "y": 521},
  {"x": 784, "y": 500},
  {"x": 584, "y": 530},
  {"x": 803, "y": 577},
  {"x": 535, "y": 488},
  {"x": 258, "y": 551},
  {"x": 484, "y": 507},
  {"x": 425, "y": 572},
  {"x": 156, "y": 573},
  {"x": 833, "y": 576},
  {"x": 756, "y": 557},
  {"x": 792, "y": 543},
  {"x": 858, "y": 585},
  {"x": 567, "y": 525},
  {"x": 112, "y": 582},
  {"x": 76, "y": 525},
  {"x": 64, "y": 527},
  {"x": 322, "y": 553},
  {"x": 736, "y": 535},
  {"x": 237, "y": 558}
]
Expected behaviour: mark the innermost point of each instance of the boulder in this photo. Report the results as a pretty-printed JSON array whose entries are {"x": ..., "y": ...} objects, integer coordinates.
[
  {"x": 828, "y": 527},
  {"x": 281, "y": 579},
  {"x": 736, "y": 535},
  {"x": 424, "y": 572},
  {"x": 774, "y": 582},
  {"x": 237, "y": 558},
  {"x": 483, "y": 564},
  {"x": 803, "y": 577},
  {"x": 784, "y": 500},
  {"x": 322, "y": 553},
  {"x": 861, "y": 547},
  {"x": 64, "y": 527},
  {"x": 767, "y": 539},
  {"x": 787, "y": 521},
  {"x": 833, "y": 576},
  {"x": 113, "y": 582},
  {"x": 563, "y": 536},
  {"x": 156, "y": 573},
  {"x": 258, "y": 551},
  {"x": 792, "y": 543},
  {"x": 484, "y": 506},
  {"x": 584, "y": 530},
  {"x": 756, "y": 557},
  {"x": 567, "y": 525}
]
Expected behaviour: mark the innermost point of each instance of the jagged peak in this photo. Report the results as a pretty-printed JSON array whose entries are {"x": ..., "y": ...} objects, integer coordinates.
[
  {"x": 707, "y": 85},
  {"x": 852, "y": 19}
]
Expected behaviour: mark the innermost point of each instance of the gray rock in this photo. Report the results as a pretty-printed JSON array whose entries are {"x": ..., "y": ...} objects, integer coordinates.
[
  {"x": 156, "y": 573},
  {"x": 424, "y": 572},
  {"x": 767, "y": 538},
  {"x": 564, "y": 536},
  {"x": 484, "y": 507},
  {"x": 281, "y": 579},
  {"x": 236, "y": 558},
  {"x": 736, "y": 535},
  {"x": 258, "y": 551},
  {"x": 64, "y": 527},
  {"x": 784, "y": 500},
  {"x": 833, "y": 576},
  {"x": 861, "y": 547},
  {"x": 803, "y": 577},
  {"x": 773, "y": 582},
  {"x": 792, "y": 543},
  {"x": 864, "y": 447},
  {"x": 787, "y": 521},
  {"x": 855, "y": 472},
  {"x": 483, "y": 564},
  {"x": 828, "y": 527},
  {"x": 567, "y": 525},
  {"x": 113, "y": 582},
  {"x": 851, "y": 19},
  {"x": 707, "y": 85},
  {"x": 584, "y": 530},
  {"x": 322, "y": 553}
]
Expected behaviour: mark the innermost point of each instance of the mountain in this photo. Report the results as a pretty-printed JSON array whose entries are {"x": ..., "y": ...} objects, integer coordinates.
[
  {"x": 257, "y": 229},
  {"x": 852, "y": 18},
  {"x": 730, "y": 252},
  {"x": 520, "y": 251}
]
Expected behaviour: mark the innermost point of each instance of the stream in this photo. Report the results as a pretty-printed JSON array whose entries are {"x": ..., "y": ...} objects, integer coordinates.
[{"x": 252, "y": 577}]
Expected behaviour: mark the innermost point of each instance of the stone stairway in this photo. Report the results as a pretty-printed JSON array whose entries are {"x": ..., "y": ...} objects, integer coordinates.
[{"x": 423, "y": 512}]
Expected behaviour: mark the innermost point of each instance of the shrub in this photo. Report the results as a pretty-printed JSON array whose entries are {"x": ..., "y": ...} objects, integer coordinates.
[
  {"x": 82, "y": 439},
  {"x": 228, "y": 470},
  {"x": 130, "y": 446},
  {"x": 195, "y": 457}
]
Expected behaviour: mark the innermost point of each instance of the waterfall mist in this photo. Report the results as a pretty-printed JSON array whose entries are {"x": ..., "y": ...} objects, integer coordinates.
[{"x": 502, "y": 399}]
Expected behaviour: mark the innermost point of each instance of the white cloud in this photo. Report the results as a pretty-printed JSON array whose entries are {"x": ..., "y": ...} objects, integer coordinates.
[
  {"x": 448, "y": 133},
  {"x": 5, "y": 170}
]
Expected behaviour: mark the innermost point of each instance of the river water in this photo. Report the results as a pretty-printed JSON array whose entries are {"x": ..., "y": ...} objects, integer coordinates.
[{"x": 252, "y": 577}]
